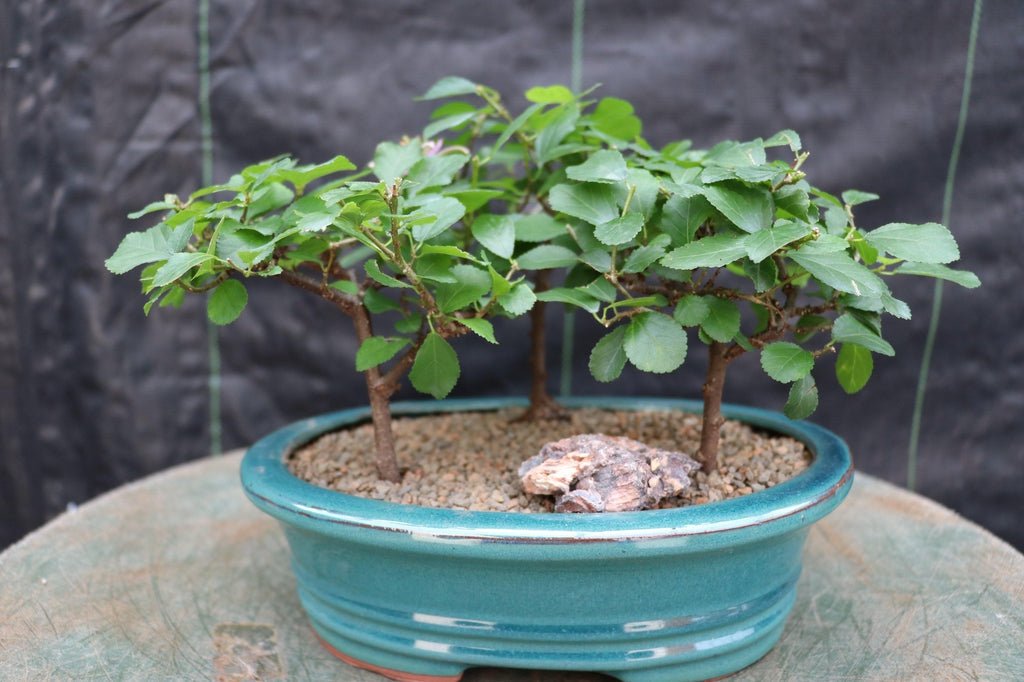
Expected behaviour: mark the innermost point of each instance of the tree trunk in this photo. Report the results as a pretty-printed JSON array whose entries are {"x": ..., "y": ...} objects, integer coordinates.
[
  {"x": 711, "y": 426},
  {"x": 542, "y": 405},
  {"x": 380, "y": 405}
]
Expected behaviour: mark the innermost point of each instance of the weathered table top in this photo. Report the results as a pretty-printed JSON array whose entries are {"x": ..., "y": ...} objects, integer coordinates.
[{"x": 178, "y": 577}]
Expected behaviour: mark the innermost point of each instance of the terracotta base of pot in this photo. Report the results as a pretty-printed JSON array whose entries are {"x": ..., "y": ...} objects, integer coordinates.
[{"x": 396, "y": 675}]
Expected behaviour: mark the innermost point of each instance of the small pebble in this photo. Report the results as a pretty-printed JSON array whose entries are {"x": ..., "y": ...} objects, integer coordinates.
[{"x": 470, "y": 460}]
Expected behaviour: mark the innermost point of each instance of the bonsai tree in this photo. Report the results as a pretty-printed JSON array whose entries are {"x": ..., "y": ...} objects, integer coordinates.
[{"x": 453, "y": 232}]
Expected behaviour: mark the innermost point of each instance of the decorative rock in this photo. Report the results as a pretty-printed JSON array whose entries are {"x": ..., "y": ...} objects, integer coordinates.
[{"x": 593, "y": 472}]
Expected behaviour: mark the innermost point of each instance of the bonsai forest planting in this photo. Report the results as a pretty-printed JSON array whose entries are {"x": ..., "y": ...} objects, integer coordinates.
[{"x": 495, "y": 212}]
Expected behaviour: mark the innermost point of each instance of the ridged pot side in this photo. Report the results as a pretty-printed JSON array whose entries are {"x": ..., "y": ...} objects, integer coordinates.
[{"x": 664, "y": 595}]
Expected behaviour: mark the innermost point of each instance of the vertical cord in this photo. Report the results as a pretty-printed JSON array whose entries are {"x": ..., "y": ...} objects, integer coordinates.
[
  {"x": 947, "y": 204},
  {"x": 206, "y": 144},
  {"x": 569, "y": 320}
]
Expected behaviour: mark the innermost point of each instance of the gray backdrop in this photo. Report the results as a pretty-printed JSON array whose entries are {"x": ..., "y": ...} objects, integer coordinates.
[{"x": 98, "y": 116}]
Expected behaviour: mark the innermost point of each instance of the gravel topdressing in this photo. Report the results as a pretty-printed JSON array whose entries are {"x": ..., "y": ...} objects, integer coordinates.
[{"x": 468, "y": 460}]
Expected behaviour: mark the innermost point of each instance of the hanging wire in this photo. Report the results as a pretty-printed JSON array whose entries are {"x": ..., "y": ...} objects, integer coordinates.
[
  {"x": 947, "y": 204},
  {"x": 206, "y": 148},
  {"x": 576, "y": 81}
]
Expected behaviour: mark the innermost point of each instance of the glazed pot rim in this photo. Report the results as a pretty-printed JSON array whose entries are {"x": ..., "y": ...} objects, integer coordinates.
[{"x": 804, "y": 498}]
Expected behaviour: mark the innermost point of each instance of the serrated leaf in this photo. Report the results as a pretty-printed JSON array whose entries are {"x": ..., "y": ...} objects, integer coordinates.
[
  {"x": 392, "y": 160},
  {"x": 964, "y": 278},
  {"x": 655, "y": 343},
  {"x": 554, "y": 132},
  {"x": 895, "y": 306},
  {"x": 481, "y": 327},
  {"x": 793, "y": 200},
  {"x": 927, "y": 243},
  {"x": 177, "y": 265},
  {"x": 376, "y": 350},
  {"x": 605, "y": 166},
  {"x": 608, "y": 357},
  {"x": 592, "y": 202},
  {"x": 854, "y": 365},
  {"x": 545, "y": 257},
  {"x": 748, "y": 208},
  {"x": 300, "y": 176},
  {"x": 709, "y": 252},
  {"x": 762, "y": 244},
  {"x": 803, "y": 398},
  {"x": 722, "y": 322},
  {"x": 518, "y": 300},
  {"x": 434, "y": 171},
  {"x": 641, "y": 258},
  {"x": 497, "y": 233},
  {"x": 598, "y": 259},
  {"x": 786, "y": 362},
  {"x": 691, "y": 310},
  {"x": 849, "y": 329},
  {"x": 470, "y": 285},
  {"x": 435, "y": 370},
  {"x": 226, "y": 302},
  {"x": 438, "y": 216},
  {"x": 839, "y": 271},
  {"x": 764, "y": 275},
  {"x": 620, "y": 230},
  {"x": 854, "y": 197},
  {"x": 155, "y": 244},
  {"x": 681, "y": 217},
  {"x": 538, "y": 227},
  {"x": 377, "y": 275},
  {"x": 449, "y": 86},
  {"x": 570, "y": 297},
  {"x": 785, "y": 137},
  {"x": 601, "y": 289},
  {"x": 615, "y": 117}
]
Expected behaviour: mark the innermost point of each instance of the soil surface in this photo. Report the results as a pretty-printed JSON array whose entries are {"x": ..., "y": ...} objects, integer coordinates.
[{"x": 468, "y": 460}]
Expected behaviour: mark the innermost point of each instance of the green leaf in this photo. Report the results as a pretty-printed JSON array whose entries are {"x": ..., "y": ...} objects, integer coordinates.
[
  {"x": 809, "y": 325},
  {"x": 449, "y": 86},
  {"x": 748, "y": 208},
  {"x": 608, "y": 357},
  {"x": 709, "y": 252},
  {"x": 691, "y": 310},
  {"x": 681, "y": 217},
  {"x": 655, "y": 343},
  {"x": 592, "y": 202},
  {"x": 301, "y": 176},
  {"x": 497, "y": 233},
  {"x": 473, "y": 199},
  {"x": 762, "y": 244},
  {"x": 849, "y": 329},
  {"x": 447, "y": 123},
  {"x": 645, "y": 196},
  {"x": 643, "y": 257},
  {"x": 606, "y": 166},
  {"x": 598, "y": 259},
  {"x": 601, "y": 289},
  {"x": 376, "y": 350},
  {"x": 392, "y": 161},
  {"x": 786, "y": 362},
  {"x": 551, "y": 94},
  {"x": 853, "y": 367},
  {"x": 499, "y": 285},
  {"x": 375, "y": 273},
  {"x": 722, "y": 322},
  {"x": 410, "y": 324},
  {"x": 434, "y": 171},
  {"x": 545, "y": 257},
  {"x": 514, "y": 126},
  {"x": 438, "y": 216},
  {"x": 345, "y": 286},
  {"x": 895, "y": 306},
  {"x": 177, "y": 265},
  {"x": 571, "y": 297},
  {"x": 836, "y": 220},
  {"x": 838, "y": 270},
  {"x": 481, "y": 327},
  {"x": 164, "y": 205},
  {"x": 155, "y": 244},
  {"x": 927, "y": 243},
  {"x": 764, "y": 275},
  {"x": 470, "y": 285},
  {"x": 614, "y": 117},
  {"x": 964, "y": 278},
  {"x": 785, "y": 137},
  {"x": 803, "y": 398},
  {"x": 518, "y": 300},
  {"x": 793, "y": 200},
  {"x": 552, "y": 135},
  {"x": 226, "y": 302},
  {"x": 448, "y": 250},
  {"x": 435, "y": 370},
  {"x": 538, "y": 227},
  {"x": 377, "y": 303},
  {"x": 853, "y": 197},
  {"x": 620, "y": 230}
]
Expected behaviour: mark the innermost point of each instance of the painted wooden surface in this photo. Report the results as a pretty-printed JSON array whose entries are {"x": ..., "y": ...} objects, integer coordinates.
[{"x": 178, "y": 577}]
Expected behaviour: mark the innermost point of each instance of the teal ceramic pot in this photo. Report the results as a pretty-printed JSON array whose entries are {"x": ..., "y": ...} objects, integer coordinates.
[{"x": 655, "y": 596}]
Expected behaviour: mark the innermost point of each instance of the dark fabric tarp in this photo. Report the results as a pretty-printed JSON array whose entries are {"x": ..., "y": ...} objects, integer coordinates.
[{"x": 99, "y": 115}]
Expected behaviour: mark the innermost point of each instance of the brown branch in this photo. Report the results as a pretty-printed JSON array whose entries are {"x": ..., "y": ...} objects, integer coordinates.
[{"x": 345, "y": 302}]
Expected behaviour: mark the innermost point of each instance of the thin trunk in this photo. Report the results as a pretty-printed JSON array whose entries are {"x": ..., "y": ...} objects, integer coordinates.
[
  {"x": 380, "y": 406},
  {"x": 712, "y": 420},
  {"x": 542, "y": 405}
]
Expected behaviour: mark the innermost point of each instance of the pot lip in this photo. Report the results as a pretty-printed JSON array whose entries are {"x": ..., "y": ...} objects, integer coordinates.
[{"x": 805, "y": 497}]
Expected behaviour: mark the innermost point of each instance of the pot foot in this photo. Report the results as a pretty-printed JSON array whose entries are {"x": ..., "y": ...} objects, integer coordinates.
[{"x": 392, "y": 674}]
